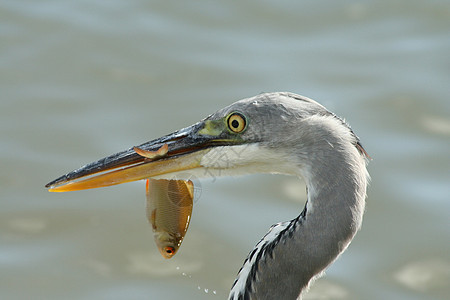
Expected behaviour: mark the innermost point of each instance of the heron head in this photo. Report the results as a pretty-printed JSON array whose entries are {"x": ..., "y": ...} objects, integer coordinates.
[{"x": 253, "y": 135}]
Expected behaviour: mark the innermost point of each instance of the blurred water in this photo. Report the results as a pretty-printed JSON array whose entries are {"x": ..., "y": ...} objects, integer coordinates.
[{"x": 83, "y": 79}]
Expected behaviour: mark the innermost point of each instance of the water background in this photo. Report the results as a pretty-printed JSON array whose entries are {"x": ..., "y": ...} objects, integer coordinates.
[{"x": 83, "y": 79}]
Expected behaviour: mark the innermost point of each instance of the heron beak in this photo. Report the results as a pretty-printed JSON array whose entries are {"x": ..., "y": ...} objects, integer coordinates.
[{"x": 179, "y": 151}]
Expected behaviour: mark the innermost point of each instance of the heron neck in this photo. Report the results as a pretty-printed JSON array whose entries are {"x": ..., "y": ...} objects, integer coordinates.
[{"x": 294, "y": 252}]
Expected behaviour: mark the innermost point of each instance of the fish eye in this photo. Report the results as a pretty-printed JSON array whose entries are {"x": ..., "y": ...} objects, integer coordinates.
[
  {"x": 169, "y": 250},
  {"x": 236, "y": 122}
]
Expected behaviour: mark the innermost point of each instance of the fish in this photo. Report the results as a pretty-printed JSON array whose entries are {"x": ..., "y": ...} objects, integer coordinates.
[{"x": 169, "y": 211}]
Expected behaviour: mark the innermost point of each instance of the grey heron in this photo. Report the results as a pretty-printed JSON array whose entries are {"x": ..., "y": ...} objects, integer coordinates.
[{"x": 278, "y": 133}]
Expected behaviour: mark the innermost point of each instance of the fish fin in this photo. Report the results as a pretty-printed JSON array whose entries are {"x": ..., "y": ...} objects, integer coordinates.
[{"x": 152, "y": 154}]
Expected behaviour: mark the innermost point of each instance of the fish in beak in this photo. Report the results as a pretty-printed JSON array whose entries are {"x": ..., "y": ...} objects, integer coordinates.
[{"x": 169, "y": 210}]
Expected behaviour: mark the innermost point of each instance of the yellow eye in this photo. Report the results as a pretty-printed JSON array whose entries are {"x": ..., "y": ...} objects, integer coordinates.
[{"x": 236, "y": 122}]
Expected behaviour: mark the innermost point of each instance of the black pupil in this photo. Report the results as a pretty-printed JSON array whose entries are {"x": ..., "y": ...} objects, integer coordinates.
[{"x": 235, "y": 123}]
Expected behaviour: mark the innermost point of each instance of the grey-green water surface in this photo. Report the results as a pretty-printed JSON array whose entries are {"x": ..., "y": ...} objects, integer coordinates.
[{"x": 82, "y": 79}]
